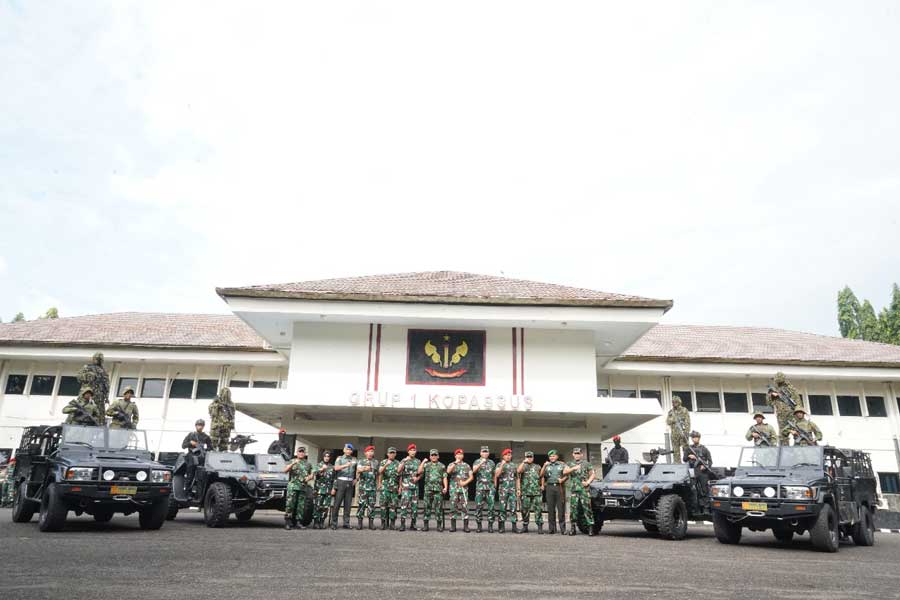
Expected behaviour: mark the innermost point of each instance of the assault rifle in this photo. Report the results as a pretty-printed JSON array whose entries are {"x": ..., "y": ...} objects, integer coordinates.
[
  {"x": 80, "y": 413},
  {"x": 805, "y": 435},
  {"x": 240, "y": 442},
  {"x": 699, "y": 461},
  {"x": 123, "y": 417},
  {"x": 763, "y": 439},
  {"x": 784, "y": 394}
]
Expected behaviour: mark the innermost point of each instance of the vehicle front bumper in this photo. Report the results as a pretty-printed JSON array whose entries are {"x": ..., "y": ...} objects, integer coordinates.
[
  {"x": 77, "y": 492},
  {"x": 774, "y": 509}
]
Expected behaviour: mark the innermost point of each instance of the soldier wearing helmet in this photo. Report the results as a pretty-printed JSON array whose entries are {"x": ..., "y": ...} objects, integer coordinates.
[
  {"x": 83, "y": 410},
  {"x": 197, "y": 444},
  {"x": 124, "y": 412},
  {"x": 679, "y": 422},
  {"x": 618, "y": 455},
  {"x": 779, "y": 398},
  {"x": 221, "y": 413},
  {"x": 94, "y": 376},
  {"x": 691, "y": 454}
]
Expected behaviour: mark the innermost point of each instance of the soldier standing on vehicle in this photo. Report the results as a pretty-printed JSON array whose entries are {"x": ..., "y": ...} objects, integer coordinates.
[
  {"x": 124, "y": 412},
  {"x": 366, "y": 477},
  {"x": 280, "y": 446},
  {"x": 324, "y": 490},
  {"x": 483, "y": 470},
  {"x": 679, "y": 422},
  {"x": 300, "y": 473},
  {"x": 95, "y": 377},
  {"x": 8, "y": 495},
  {"x": 618, "y": 455},
  {"x": 581, "y": 474},
  {"x": 389, "y": 483},
  {"x": 460, "y": 477},
  {"x": 552, "y": 480},
  {"x": 197, "y": 443},
  {"x": 505, "y": 480},
  {"x": 691, "y": 454},
  {"x": 762, "y": 434},
  {"x": 805, "y": 432},
  {"x": 409, "y": 488},
  {"x": 435, "y": 474},
  {"x": 345, "y": 476},
  {"x": 82, "y": 410},
  {"x": 221, "y": 413},
  {"x": 529, "y": 490},
  {"x": 778, "y": 398}
]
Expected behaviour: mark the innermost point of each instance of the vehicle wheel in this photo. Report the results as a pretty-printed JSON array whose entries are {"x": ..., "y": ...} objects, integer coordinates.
[
  {"x": 103, "y": 516},
  {"x": 53, "y": 510},
  {"x": 824, "y": 533},
  {"x": 23, "y": 508},
  {"x": 726, "y": 531},
  {"x": 864, "y": 531},
  {"x": 598, "y": 521},
  {"x": 171, "y": 508},
  {"x": 783, "y": 534},
  {"x": 245, "y": 516},
  {"x": 671, "y": 517},
  {"x": 651, "y": 527},
  {"x": 154, "y": 516},
  {"x": 217, "y": 505},
  {"x": 308, "y": 512}
]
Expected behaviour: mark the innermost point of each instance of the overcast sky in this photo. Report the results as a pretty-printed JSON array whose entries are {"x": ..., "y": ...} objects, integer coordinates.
[{"x": 742, "y": 159}]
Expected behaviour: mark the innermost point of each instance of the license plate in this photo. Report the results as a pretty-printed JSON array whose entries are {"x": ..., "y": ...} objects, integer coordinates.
[
  {"x": 754, "y": 506},
  {"x": 611, "y": 502},
  {"x": 126, "y": 490}
]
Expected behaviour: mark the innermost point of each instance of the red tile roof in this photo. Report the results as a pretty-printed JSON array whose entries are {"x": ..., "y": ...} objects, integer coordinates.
[
  {"x": 148, "y": 330},
  {"x": 723, "y": 344},
  {"x": 444, "y": 287}
]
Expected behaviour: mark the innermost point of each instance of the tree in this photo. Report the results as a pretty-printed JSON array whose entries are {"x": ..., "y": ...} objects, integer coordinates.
[
  {"x": 18, "y": 318},
  {"x": 869, "y": 328},
  {"x": 52, "y": 313},
  {"x": 848, "y": 313},
  {"x": 889, "y": 318},
  {"x": 859, "y": 321}
]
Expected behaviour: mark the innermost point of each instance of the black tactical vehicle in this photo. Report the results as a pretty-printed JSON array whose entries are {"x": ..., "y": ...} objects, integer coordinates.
[
  {"x": 793, "y": 489},
  {"x": 228, "y": 482},
  {"x": 664, "y": 497},
  {"x": 93, "y": 470}
]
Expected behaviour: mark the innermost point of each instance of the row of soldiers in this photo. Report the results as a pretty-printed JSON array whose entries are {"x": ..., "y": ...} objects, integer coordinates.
[{"x": 500, "y": 489}]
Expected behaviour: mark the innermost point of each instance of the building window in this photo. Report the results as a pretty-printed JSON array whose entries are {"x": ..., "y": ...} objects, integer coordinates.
[
  {"x": 890, "y": 483},
  {"x": 735, "y": 402},
  {"x": 181, "y": 388},
  {"x": 127, "y": 382},
  {"x": 15, "y": 384},
  {"x": 875, "y": 405},
  {"x": 708, "y": 402},
  {"x": 153, "y": 388},
  {"x": 42, "y": 385},
  {"x": 759, "y": 404},
  {"x": 848, "y": 406},
  {"x": 68, "y": 386},
  {"x": 207, "y": 389},
  {"x": 820, "y": 405},
  {"x": 685, "y": 399},
  {"x": 652, "y": 394},
  {"x": 274, "y": 384},
  {"x": 616, "y": 393},
  {"x": 239, "y": 383},
  {"x": 603, "y": 392}
]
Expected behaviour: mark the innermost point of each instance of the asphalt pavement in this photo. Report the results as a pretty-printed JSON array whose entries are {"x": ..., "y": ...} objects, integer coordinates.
[{"x": 185, "y": 559}]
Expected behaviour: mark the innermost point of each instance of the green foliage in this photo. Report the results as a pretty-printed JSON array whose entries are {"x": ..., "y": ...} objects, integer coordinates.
[
  {"x": 52, "y": 313},
  {"x": 18, "y": 318},
  {"x": 859, "y": 321},
  {"x": 848, "y": 313}
]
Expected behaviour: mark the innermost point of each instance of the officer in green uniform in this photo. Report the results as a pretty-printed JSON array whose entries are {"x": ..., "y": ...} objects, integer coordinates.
[
  {"x": 505, "y": 480},
  {"x": 367, "y": 477},
  {"x": 300, "y": 473},
  {"x": 811, "y": 435},
  {"x": 83, "y": 411},
  {"x": 409, "y": 488},
  {"x": 8, "y": 495},
  {"x": 460, "y": 477},
  {"x": 761, "y": 434},
  {"x": 529, "y": 490},
  {"x": 483, "y": 470},
  {"x": 435, "y": 474},
  {"x": 324, "y": 489},
  {"x": 581, "y": 475},
  {"x": 779, "y": 398},
  {"x": 553, "y": 480},
  {"x": 679, "y": 422},
  {"x": 389, "y": 482},
  {"x": 124, "y": 412}
]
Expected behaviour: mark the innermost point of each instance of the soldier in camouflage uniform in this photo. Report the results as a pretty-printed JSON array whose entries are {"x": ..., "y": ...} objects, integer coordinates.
[
  {"x": 409, "y": 488},
  {"x": 529, "y": 492},
  {"x": 221, "y": 413},
  {"x": 679, "y": 422},
  {"x": 94, "y": 376},
  {"x": 460, "y": 476},
  {"x": 777, "y": 398},
  {"x": 801, "y": 423},
  {"x": 300, "y": 474},
  {"x": 553, "y": 481},
  {"x": 581, "y": 474},
  {"x": 324, "y": 490},
  {"x": 762, "y": 434},
  {"x": 367, "y": 478},
  {"x": 389, "y": 482},
  {"x": 82, "y": 410},
  {"x": 124, "y": 412},
  {"x": 8, "y": 496},
  {"x": 435, "y": 474},
  {"x": 483, "y": 470},
  {"x": 505, "y": 480}
]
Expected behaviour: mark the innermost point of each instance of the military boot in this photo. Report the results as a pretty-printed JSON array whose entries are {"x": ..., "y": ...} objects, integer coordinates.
[
  {"x": 524, "y": 528},
  {"x": 412, "y": 524},
  {"x": 490, "y": 527},
  {"x": 371, "y": 524},
  {"x": 478, "y": 530},
  {"x": 288, "y": 524},
  {"x": 402, "y": 524},
  {"x": 440, "y": 525},
  {"x": 551, "y": 528},
  {"x": 541, "y": 529},
  {"x": 465, "y": 525},
  {"x": 501, "y": 527},
  {"x": 384, "y": 523},
  {"x": 452, "y": 525},
  {"x": 425, "y": 526},
  {"x": 358, "y": 523},
  {"x": 562, "y": 528},
  {"x": 393, "y": 523},
  {"x": 573, "y": 530},
  {"x": 591, "y": 531},
  {"x": 515, "y": 528}
]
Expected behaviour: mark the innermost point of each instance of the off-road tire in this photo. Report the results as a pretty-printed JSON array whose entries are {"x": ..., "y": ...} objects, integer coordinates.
[
  {"x": 154, "y": 516},
  {"x": 650, "y": 527},
  {"x": 53, "y": 510},
  {"x": 784, "y": 535},
  {"x": 671, "y": 517},
  {"x": 217, "y": 505},
  {"x": 824, "y": 533},
  {"x": 726, "y": 531},
  {"x": 22, "y": 508},
  {"x": 103, "y": 515},
  {"x": 598, "y": 522},
  {"x": 863, "y": 532},
  {"x": 308, "y": 511},
  {"x": 171, "y": 508},
  {"x": 245, "y": 515}
]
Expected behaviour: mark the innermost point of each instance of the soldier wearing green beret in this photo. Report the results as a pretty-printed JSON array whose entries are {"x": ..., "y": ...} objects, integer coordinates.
[
  {"x": 529, "y": 492},
  {"x": 435, "y": 474},
  {"x": 580, "y": 511},
  {"x": 389, "y": 483},
  {"x": 483, "y": 470},
  {"x": 552, "y": 481}
]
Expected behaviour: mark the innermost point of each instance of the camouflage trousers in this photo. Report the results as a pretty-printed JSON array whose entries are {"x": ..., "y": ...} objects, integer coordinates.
[
  {"x": 409, "y": 503},
  {"x": 459, "y": 503},
  {"x": 324, "y": 500},
  {"x": 365, "y": 503},
  {"x": 295, "y": 503},
  {"x": 580, "y": 510},
  {"x": 783, "y": 421},
  {"x": 532, "y": 503},
  {"x": 7, "y": 494},
  {"x": 506, "y": 506},
  {"x": 678, "y": 446},
  {"x": 484, "y": 499},
  {"x": 220, "y": 434},
  {"x": 434, "y": 504},
  {"x": 390, "y": 500}
]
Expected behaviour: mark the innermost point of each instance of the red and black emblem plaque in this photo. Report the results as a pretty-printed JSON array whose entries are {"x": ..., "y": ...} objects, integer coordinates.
[{"x": 445, "y": 357}]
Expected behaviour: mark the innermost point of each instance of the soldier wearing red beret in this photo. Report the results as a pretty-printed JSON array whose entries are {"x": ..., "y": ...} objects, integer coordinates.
[
  {"x": 460, "y": 477},
  {"x": 366, "y": 478}
]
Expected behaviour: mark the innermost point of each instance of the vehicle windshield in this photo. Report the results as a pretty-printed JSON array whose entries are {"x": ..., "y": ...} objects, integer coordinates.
[
  {"x": 226, "y": 461},
  {"x": 800, "y": 456},
  {"x": 104, "y": 438},
  {"x": 270, "y": 463},
  {"x": 759, "y": 456},
  {"x": 667, "y": 472},
  {"x": 628, "y": 472}
]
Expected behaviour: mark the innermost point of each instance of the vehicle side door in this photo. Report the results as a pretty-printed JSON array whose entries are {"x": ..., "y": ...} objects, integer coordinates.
[{"x": 840, "y": 470}]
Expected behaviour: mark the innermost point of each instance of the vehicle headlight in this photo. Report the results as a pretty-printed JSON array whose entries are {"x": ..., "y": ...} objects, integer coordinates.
[
  {"x": 720, "y": 491},
  {"x": 160, "y": 476},
  {"x": 797, "y": 492},
  {"x": 108, "y": 475},
  {"x": 738, "y": 491},
  {"x": 81, "y": 473},
  {"x": 251, "y": 485},
  {"x": 638, "y": 495},
  {"x": 769, "y": 492},
  {"x": 141, "y": 476}
]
